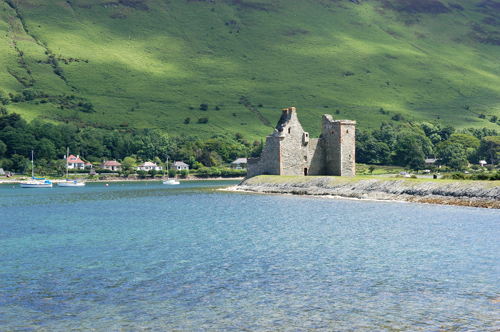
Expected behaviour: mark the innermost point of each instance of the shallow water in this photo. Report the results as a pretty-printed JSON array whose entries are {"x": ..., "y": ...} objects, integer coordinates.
[{"x": 132, "y": 256}]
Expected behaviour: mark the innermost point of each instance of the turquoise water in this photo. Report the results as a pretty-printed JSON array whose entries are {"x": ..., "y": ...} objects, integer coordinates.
[{"x": 134, "y": 257}]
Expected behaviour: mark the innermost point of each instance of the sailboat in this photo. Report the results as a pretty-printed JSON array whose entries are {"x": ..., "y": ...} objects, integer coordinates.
[
  {"x": 168, "y": 180},
  {"x": 35, "y": 182},
  {"x": 70, "y": 183}
]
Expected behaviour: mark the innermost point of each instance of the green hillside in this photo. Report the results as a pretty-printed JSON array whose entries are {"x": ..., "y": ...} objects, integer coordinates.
[{"x": 153, "y": 63}]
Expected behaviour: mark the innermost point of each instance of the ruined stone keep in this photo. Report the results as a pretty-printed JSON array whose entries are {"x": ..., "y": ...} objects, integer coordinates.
[{"x": 290, "y": 151}]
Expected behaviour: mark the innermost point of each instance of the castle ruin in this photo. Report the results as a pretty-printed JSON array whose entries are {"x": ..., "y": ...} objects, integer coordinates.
[{"x": 290, "y": 151}]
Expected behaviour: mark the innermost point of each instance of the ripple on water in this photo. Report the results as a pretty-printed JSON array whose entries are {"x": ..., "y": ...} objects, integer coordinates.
[{"x": 137, "y": 257}]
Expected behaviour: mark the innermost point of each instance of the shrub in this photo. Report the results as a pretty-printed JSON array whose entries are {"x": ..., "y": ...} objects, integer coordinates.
[
  {"x": 397, "y": 117},
  {"x": 187, "y": 120},
  {"x": 204, "y": 107},
  {"x": 87, "y": 106},
  {"x": 214, "y": 171},
  {"x": 203, "y": 120},
  {"x": 172, "y": 173},
  {"x": 458, "y": 176},
  {"x": 29, "y": 94},
  {"x": 203, "y": 172},
  {"x": 495, "y": 177}
]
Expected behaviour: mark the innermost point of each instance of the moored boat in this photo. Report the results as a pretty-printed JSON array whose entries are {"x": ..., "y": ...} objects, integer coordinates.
[
  {"x": 168, "y": 180},
  {"x": 35, "y": 182},
  {"x": 68, "y": 182}
]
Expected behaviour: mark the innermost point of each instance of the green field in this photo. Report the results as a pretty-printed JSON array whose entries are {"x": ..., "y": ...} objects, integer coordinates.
[{"x": 152, "y": 63}]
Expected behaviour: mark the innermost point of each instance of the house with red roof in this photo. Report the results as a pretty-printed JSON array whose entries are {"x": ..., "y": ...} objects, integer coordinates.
[
  {"x": 75, "y": 162},
  {"x": 112, "y": 165}
]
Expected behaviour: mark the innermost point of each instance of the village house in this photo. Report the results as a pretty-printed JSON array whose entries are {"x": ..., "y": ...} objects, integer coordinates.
[
  {"x": 112, "y": 165},
  {"x": 179, "y": 165},
  {"x": 75, "y": 162},
  {"x": 290, "y": 151},
  {"x": 240, "y": 163},
  {"x": 148, "y": 166},
  {"x": 430, "y": 161}
]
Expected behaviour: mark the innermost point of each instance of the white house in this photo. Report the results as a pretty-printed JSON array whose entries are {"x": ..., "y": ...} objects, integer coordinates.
[
  {"x": 430, "y": 161},
  {"x": 240, "y": 163},
  {"x": 147, "y": 166},
  {"x": 75, "y": 162},
  {"x": 111, "y": 165},
  {"x": 179, "y": 165}
]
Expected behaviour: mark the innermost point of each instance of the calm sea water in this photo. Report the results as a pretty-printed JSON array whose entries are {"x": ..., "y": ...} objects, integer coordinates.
[{"x": 133, "y": 257}]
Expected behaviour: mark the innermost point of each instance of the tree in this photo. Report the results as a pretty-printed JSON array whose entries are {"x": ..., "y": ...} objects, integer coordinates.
[
  {"x": 490, "y": 147},
  {"x": 29, "y": 94},
  {"x": 19, "y": 162},
  {"x": 411, "y": 150},
  {"x": 46, "y": 149},
  {"x": 172, "y": 173},
  {"x": 3, "y": 148},
  {"x": 128, "y": 163},
  {"x": 453, "y": 156},
  {"x": 371, "y": 168}
]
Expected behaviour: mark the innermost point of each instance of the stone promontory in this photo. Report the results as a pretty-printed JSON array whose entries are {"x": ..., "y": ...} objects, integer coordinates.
[{"x": 484, "y": 194}]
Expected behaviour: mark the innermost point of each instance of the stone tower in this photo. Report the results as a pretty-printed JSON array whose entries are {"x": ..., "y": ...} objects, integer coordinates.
[{"x": 339, "y": 143}]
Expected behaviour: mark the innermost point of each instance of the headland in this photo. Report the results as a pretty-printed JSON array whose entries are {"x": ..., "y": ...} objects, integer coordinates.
[{"x": 483, "y": 194}]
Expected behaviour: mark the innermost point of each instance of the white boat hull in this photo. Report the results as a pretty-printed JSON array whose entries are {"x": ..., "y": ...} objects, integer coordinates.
[
  {"x": 171, "y": 182},
  {"x": 36, "y": 185},
  {"x": 71, "y": 184}
]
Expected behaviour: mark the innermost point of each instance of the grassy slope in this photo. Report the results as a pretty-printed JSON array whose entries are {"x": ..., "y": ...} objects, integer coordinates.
[{"x": 147, "y": 67}]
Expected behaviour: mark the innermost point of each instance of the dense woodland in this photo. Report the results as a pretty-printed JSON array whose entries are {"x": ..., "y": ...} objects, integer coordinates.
[
  {"x": 409, "y": 144},
  {"x": 404, "y": 144},
  {"x": 49, "y": 141}
]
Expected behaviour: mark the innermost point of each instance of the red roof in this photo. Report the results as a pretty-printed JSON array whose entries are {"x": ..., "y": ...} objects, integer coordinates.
[
  {"x": 75, "y": 160},
  {"x": 111, "y": 163}
]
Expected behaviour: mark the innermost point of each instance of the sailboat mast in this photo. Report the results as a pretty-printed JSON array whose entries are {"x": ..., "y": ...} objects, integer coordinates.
[
  {"x": 32, "y": 171},
  {"x": 67, "y": 155}
]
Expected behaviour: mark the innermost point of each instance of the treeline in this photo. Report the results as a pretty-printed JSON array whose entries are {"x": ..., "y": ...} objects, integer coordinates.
[
  {"x": 409, "y": 144},
  {"x": 404, "y": 144},
  {"x": 49, "y": 141}
]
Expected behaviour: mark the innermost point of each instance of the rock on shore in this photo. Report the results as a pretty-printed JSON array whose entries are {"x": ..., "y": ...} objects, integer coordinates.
[{"x": 485, "y": 194}]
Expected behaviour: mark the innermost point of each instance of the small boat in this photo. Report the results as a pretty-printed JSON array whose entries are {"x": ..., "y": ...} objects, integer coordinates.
[
  {"x": 168, "y": 180},
  {"x": 70, "y": 183},
  {"x": 171, "y": 181},
  {"x": 35, "y": 182}
]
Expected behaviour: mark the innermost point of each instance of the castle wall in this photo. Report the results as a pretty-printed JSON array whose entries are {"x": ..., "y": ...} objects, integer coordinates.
[
  {"x": 294, "y": 150},
  {"x": 269, "y": 161},
  {"x": 316, "y": 157}
]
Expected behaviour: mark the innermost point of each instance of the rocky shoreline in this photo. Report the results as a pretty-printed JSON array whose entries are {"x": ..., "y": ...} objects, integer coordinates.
[{"x": 483, "y": 194}]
